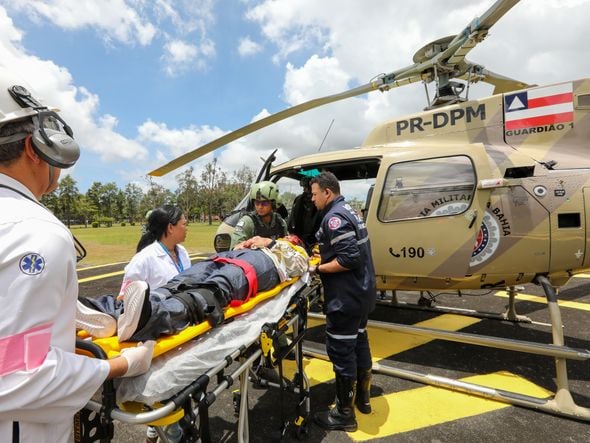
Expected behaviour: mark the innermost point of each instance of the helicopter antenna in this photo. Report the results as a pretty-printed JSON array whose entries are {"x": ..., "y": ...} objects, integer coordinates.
[{"x": 326, "y": 135}]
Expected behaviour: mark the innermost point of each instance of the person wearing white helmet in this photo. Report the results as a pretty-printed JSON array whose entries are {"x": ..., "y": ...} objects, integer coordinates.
[
  {"x": 42, "y": 381},
  {"x": 264, "y": 221}
]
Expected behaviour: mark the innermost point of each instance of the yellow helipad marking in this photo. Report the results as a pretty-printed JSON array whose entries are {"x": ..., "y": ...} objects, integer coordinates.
[
  {"x": 422, "y": 407},
  {"x": 386, "y": 343},
  {"x": 98, "y": 277},
  {"x": 582, "y": 275},
  {"x": 383, "y": 344},
  {"x": 317, "y": 371},
  {"x": 112, "y": 274},
  {"x": 88, "y": 268},
  {"x": 536, "y": 299}
]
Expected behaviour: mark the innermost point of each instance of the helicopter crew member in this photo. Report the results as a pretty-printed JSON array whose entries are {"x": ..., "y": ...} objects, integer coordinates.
[
  {"x": 42, "y": 381},
  {"x": 348, "y": 278},
  {"x": 304, "y": 220},
  {"x": 264, "y": 221}
]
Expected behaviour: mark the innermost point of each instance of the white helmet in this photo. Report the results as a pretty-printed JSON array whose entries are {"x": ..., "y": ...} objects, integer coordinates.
[
  {"x": 52, "y": 138},
  {"x": 10, "y": 110}
]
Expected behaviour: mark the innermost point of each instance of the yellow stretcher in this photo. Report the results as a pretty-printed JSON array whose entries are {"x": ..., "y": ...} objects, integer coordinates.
[
  {"x": 112, "y": 347},
  {"x": 95, "y": 421}
]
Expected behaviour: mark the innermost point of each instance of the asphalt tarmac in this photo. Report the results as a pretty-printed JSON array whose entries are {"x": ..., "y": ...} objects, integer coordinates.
[{"x": 406, "y": 411}]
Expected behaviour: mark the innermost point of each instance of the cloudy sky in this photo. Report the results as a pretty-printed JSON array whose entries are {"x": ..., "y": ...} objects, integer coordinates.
[{"x": 143, "y": 81}]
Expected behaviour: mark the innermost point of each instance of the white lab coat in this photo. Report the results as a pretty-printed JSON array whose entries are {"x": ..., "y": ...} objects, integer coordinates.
[
  {"x": 44, "y": 398},
  {"x": 153, "y": 265}
]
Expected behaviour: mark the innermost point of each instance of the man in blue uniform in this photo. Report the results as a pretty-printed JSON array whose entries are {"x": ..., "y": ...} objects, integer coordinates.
[{"x": 348, "y": 278}]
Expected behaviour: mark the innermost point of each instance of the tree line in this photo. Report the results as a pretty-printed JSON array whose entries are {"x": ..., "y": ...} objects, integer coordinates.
[{"x": 210, "y": 195}]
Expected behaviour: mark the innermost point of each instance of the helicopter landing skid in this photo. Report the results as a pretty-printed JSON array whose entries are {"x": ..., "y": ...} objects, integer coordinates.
[
  {"x": 427, "y": 304},
  {"x": 562, "y": 403}
]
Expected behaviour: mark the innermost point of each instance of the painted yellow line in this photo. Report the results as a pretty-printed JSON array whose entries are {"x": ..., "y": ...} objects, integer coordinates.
[
  {"x": 412, "y": 409},
  {"x": 387, "y": 343},
  {"x": 383, "y": 344},
  {"x": 98, "y": 277},
  {"x": 191, "y": 256},
  {"x": 582, "y": 276},
  {"x": 536, "y": 299},
  {"x": 112, "y": 274},
  {"x": 102, "y": 266},
  {"x": 422, "y": 407}
]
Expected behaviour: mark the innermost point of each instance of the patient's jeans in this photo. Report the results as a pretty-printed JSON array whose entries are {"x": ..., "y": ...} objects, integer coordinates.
[{"x": 168, "y": 315}]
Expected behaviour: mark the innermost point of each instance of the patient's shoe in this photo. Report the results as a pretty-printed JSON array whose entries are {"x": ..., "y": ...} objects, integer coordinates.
[
  {"x": 96, "y": 323},
  {"x": 136, "y": 310}
]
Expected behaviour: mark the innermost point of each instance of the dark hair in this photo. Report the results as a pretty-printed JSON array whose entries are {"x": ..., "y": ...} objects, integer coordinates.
[
  {"x": 9, "y": 152},
  {"x": 327, "y": 180},
  {"x": 157, "y": 224}
]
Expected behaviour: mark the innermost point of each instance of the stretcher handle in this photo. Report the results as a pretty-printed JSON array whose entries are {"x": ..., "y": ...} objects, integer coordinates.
[{"x": 92, "y": 348}]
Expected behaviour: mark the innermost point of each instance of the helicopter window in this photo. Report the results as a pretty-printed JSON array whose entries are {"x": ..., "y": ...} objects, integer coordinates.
[
  {"x": 427, "y": 188},
  {"x": 583, "y": 101}
]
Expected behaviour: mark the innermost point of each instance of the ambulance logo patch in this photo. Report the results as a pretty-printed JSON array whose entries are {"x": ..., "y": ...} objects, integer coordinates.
[
  {"x": 31, "y": 264},
  {"x": 334, "y": 223}
]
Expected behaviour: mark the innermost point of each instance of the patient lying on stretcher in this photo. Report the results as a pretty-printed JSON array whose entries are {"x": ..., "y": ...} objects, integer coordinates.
[{"x": 197, "y": 294}]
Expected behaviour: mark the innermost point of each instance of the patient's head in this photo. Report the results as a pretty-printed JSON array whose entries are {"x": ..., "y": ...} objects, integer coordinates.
[{"x": 294, "y": 239}]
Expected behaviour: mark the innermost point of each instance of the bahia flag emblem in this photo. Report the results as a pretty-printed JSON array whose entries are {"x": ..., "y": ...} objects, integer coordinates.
[{"x": 539, "y": 106}]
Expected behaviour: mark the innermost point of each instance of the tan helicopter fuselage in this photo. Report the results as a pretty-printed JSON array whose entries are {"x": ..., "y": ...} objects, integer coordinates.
[{"x": 486, "y": 193}]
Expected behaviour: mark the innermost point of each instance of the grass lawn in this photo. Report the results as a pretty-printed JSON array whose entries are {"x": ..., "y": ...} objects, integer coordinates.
[{"x": 118, "y": 243}]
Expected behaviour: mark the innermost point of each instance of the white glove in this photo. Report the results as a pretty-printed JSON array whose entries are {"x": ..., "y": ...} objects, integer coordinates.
[{"x": 138, "y": 358}]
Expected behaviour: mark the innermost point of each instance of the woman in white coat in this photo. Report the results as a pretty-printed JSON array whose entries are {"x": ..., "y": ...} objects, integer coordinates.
[{"x": 160, "y": 256}]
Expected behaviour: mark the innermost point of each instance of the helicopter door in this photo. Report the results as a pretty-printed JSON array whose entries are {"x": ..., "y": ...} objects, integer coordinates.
[{"x": 428, "y": 215}]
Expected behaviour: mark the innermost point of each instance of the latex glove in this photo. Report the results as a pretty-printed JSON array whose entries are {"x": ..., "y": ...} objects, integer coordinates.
[{"x": 138, "y": 358}]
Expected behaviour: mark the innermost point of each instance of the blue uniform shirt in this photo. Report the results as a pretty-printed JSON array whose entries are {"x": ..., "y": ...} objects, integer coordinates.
[{"x": 343, "y": 235}]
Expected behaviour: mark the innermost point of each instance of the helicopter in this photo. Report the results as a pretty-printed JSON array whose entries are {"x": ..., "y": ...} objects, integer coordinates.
[{"x": 468, "y": 194}]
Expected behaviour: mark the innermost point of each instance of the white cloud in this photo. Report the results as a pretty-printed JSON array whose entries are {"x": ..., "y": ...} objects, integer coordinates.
[
  {"x": 318, "y": 77},
  {"x": 289, "y": 24},
  {"x": 179, "y": 56},
  {"x": 248, "y": 47},
  {"x": 79, "y": 107},
  {"x": 190, "y": 48},
  {"x": 183, "y": 26},
  {"x": 113, "y": 19},
  {"x": 177, "y": 141}
]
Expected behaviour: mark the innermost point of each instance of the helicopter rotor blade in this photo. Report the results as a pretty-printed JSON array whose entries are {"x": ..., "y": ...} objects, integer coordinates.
[
  {"x": 383, "y": 82},
  {"x": 474, "y": 33},
  {"x": 448, "y": 55}
]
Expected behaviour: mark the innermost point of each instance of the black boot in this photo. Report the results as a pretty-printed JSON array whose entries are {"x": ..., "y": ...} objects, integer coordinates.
[
  {"x": 363, "y": 390},
  {"x": 201, "y": 304},
  {"x": 341, "y": 417}
]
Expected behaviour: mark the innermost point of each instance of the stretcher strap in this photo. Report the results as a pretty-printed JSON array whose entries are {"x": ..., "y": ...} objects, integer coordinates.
[{"x": 250, "y": 274}]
